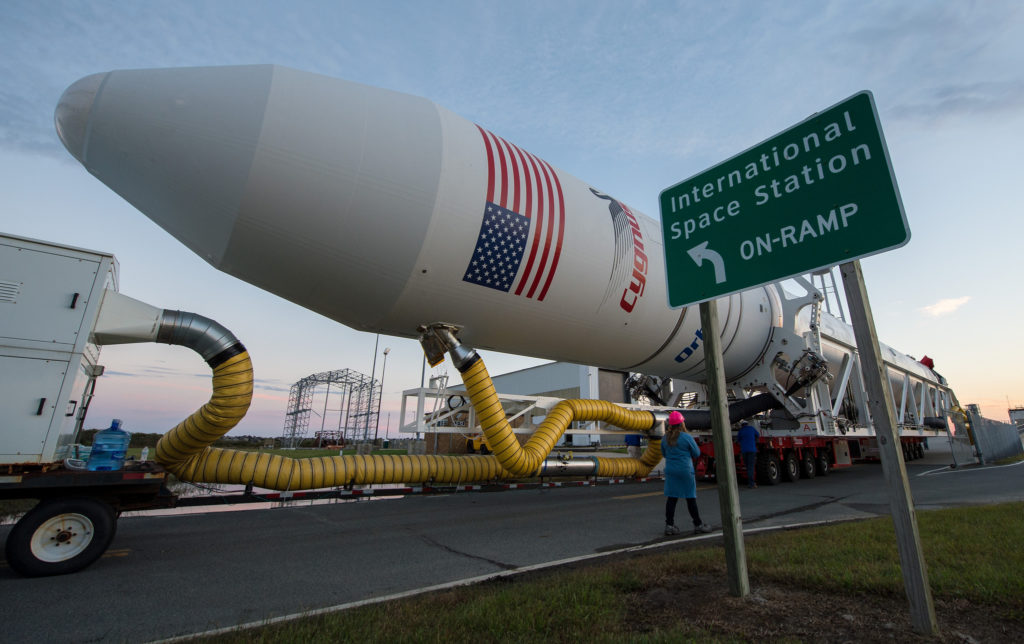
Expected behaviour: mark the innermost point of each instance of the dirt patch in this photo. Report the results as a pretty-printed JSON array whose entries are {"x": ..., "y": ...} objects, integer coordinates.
[{"x": 773, "y": 612}]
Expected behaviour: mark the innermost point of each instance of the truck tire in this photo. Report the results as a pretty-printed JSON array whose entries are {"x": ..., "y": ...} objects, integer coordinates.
[
  {"x": 808, "y": 467},
  {"x": 60, "y": 536},
  {"x": 769, "y": 471},
  {"x": 790, "y": 468},
  {"x": 823, "y": 463}
]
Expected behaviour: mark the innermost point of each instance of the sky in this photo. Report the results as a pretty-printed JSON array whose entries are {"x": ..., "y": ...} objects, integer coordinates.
[{"x": 631, "y": 97}]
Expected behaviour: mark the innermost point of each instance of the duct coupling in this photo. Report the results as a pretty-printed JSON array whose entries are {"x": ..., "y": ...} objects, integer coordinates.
[{"x": 204, "y": 336}]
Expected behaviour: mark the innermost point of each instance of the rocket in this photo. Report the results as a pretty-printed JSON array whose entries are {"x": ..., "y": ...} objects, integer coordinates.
[{"x": 385, "y": 211}]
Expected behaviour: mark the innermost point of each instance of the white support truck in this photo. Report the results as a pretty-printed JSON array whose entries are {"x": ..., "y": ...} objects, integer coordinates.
[{"x": 50, "y": 298}]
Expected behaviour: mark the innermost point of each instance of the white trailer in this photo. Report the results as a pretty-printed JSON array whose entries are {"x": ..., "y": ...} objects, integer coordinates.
[
  {"x": 50, "y": 300},
  {"x": 50, "y": 297}
]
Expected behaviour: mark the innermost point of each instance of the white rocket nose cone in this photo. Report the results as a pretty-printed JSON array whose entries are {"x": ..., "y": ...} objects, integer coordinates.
[
  {"x": 175, "y": 143},
  {"x": 72, "y": 114}
]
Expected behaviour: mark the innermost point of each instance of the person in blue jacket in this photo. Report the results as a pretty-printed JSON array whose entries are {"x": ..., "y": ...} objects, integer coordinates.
[
  {"x": 633, "y": 445},
  {"x": 680, "y": 450},
  {"x": 747, "y": 437}
]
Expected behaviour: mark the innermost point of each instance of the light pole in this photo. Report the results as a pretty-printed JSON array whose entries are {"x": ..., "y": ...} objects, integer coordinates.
[
  {"x": 373, "y": 377},
  {"x": 383, "y": 367}
]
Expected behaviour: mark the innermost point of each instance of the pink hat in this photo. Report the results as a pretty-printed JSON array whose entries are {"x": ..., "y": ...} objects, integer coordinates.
[{"x": 675, "y": 418}]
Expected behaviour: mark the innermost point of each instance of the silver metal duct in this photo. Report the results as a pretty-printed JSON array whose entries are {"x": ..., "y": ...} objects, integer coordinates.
[{"x": 203, "y": 335}]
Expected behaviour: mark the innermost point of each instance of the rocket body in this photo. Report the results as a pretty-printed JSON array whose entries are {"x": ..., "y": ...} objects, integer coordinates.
[{"x": 386, "y": 211}]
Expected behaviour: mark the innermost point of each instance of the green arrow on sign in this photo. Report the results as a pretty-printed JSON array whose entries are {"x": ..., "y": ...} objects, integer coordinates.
[{"x": 818, "y": 194}]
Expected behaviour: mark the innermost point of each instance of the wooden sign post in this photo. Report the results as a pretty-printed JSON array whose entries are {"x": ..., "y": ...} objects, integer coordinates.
[
  {"x": 908, "y": 539},
  {"x": 725, "y": 468}
]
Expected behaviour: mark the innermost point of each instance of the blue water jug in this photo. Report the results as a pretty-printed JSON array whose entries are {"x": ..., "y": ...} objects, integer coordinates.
[{"x": 108, "y": 448}]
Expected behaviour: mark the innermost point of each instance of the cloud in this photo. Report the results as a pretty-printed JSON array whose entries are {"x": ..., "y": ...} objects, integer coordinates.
[
  {"x": 964, "y": 99},
  {"x": 125, "y": 374},
  {"x": 266, "y": 385},
  {"x": 946, "y": 306}
]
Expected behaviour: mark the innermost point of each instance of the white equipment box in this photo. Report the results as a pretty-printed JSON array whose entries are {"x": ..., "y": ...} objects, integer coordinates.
[{"x": 50, "y": 297}]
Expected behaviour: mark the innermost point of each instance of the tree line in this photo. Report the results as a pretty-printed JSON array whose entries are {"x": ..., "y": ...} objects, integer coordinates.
[{"x": 141, "y": 439}]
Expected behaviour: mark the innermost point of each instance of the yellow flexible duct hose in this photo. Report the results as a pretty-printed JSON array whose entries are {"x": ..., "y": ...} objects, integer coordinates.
[
  {"x": 180, "y": 449},
  {"x": 185, "y": 450},
  {"x": 274, "y": 472},
  {"x": 631, "y": 466},
  {"x": 525, "y": 460}
]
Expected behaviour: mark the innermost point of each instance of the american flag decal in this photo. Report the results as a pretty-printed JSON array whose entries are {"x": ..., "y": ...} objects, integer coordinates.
[{"x": 523, "y": 223}]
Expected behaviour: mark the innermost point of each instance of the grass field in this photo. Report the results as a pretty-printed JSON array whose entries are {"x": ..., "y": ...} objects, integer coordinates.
[{"x": 838, "y": 582}]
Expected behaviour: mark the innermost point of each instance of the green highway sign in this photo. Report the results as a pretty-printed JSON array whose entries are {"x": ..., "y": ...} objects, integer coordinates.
[{"x": 819, "y": 194}]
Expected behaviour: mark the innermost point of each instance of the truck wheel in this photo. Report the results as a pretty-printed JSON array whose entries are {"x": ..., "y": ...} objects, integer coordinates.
[
  {"x": 807, "y": 465},
  {"x": 823, "y": 464},
  {"x": 769, "y": 471},
  {"x": 60, "y": 536},
  {"x": 790, "y": 468}
]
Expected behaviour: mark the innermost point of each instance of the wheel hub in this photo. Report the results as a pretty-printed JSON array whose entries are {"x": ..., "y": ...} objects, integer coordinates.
[{"x": 62, "y": 537}]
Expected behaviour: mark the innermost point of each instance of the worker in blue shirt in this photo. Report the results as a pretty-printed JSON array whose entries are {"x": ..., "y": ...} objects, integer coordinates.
[
  {"x": 633, "y": 445},
  {"x": 747, "y": 437}
]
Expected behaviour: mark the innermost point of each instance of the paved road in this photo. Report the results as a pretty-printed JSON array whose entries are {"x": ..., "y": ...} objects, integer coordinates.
[{"x": 168, "y": 576}]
